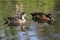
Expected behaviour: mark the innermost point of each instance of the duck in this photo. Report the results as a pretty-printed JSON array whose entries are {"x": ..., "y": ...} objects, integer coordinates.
[
  {"x": 42, "y": 17},
  {"x": 15, "y": 21}
]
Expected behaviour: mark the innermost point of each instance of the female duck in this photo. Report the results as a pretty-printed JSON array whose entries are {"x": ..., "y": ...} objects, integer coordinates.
[
  {"x": 42, "y": 17},
  {"x": 16, "y": 21}
]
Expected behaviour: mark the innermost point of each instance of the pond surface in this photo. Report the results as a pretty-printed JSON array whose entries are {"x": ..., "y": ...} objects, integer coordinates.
[{"x": 37, "y": 31}]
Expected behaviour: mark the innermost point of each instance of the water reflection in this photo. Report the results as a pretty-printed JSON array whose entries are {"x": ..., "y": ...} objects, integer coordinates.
[
  {"x": 37, "y": 31},
  {"x": 31, "y": 34}
]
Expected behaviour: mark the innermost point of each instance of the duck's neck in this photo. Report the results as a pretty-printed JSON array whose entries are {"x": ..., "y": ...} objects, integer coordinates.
[{"x": 23, "y": 19}]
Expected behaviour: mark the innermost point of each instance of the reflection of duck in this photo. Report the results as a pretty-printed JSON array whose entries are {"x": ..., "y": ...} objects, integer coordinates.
[{"x": 42, "y": 17}]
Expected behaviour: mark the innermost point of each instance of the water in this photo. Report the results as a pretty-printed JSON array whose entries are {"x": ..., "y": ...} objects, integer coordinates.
[{"x": 37, "y": 31}]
